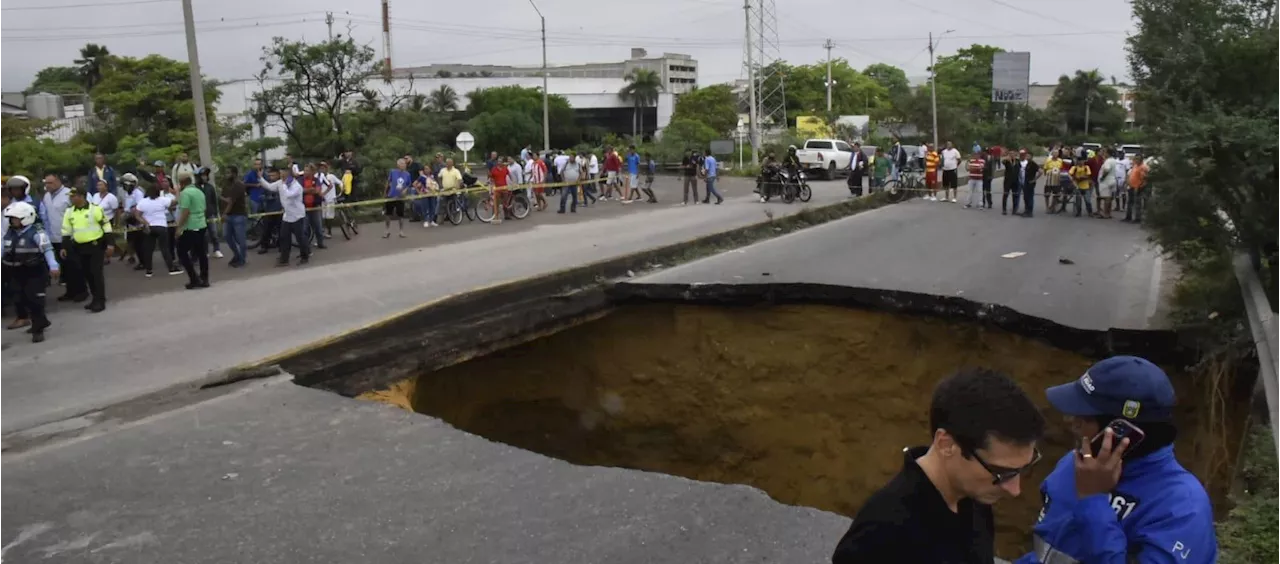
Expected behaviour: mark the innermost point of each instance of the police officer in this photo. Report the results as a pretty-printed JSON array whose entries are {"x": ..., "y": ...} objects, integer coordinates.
[
  {"x": 83, "y": 228},
  {"x": 29, "y": 265},
  {"x": 1126, "y": 500}
]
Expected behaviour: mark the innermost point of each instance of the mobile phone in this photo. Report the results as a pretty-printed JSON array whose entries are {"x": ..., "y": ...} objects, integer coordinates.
[{"x": 1121, "y": 429}]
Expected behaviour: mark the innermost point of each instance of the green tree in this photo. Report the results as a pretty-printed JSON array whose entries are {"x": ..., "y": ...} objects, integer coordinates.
[
  {"x": 889, "y": 77},
  {"x": 1200, "y": 67},
  {"x": 1086, "y": 104},
  {"x": 443, "y": 99},
  {"x": 528, "y": 101},
  {"x": 683, "y": 134},
  {"x": 24, "y": 152},
  {"x": 93, "y": 58},
  {"x": 504, "y": 131},
  {"x": 643, "y": 86},
  {"x": 147, "y": 101},
  {"x": 56, "y": 80},
  {"x": 319, "y": 82},
  {"x": 852, "y": 92},
  {"x": 714, "y": 106}
]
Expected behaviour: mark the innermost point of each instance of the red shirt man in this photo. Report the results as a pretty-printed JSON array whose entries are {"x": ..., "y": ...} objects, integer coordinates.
[
  {"x": 498, "y": 175},
  {"x": 612, "y": 163},
  {"x": 976, "y": 166}
]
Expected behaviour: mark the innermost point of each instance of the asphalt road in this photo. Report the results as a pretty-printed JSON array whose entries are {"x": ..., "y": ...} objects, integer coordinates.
[
  {"x": 155, "y": 334},
  {"x": 1112, "y": 276}
]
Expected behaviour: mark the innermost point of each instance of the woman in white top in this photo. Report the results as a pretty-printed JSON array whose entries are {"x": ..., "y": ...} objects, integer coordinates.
[
  {"x": 1106, "y": 183},
  {"x": 153, "y": 211},
  {"x": 110, "y": 205}
]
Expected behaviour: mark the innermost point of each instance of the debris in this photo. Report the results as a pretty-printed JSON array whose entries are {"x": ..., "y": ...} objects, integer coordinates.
[
  {"x": 230, "y": 476},
  {"x": 1065, "y": 260},
  {"x": 1014, "y": 254},
  {"x": 764, "y": 274},
  {"x": 631, "y": 274},
  {"x": 1213, "y": 315}
]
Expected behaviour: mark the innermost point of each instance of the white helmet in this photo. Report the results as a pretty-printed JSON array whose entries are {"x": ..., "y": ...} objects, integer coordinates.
[
  {"x": 18, "y": 181},
  {"x": 26, "y": 213},
  {"x": 129, "y": 178}
]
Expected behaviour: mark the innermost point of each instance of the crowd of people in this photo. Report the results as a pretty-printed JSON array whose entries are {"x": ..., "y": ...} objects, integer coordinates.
[
  {"x": 1078, "y": 178},
  {"x": 1119, "y": 496}
]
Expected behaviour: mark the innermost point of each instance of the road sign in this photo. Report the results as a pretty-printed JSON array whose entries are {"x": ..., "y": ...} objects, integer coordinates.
[
  {"x": 1010, "y": 77},
  {"x": 465, "y": 141},
  {"x": 722, "y": 147}
]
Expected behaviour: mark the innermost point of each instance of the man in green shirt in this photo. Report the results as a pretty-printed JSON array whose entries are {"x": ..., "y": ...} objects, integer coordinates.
[{"x": 191, "y": 231}]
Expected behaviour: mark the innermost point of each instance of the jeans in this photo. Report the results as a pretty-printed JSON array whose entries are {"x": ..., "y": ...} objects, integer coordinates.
[
  {"x": 975, "y": 193},
  {"x": 213, "y": 233},
  {"x": 432, "y": 206},
  {"x": 894, "y": 172},
  {"x": 690, "y": 183},
  {"x": 157, "y": 238},
  {"x": 1085, "y": 196},
  {"x": 236, "y": 227},
  {"x": 291, "y": 231},
  {"x": 1029, "y": 197},
  {"x": 711, "y": 190},
  {"x": 193, "y": 251},
  {"x": 569, "y": 192},
  {"x": 1137, "y": 202},
  {"x": 1010, "y": 190},
  {"x": 315, "y": 224}
]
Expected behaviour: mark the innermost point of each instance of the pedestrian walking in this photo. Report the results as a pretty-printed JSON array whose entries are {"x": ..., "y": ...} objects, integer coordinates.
[
  {"x": 192, "y": 225},
  {"x": 235, "y": 211},
  {"x": 151, "y": 211},
  {"x": 204, "y": 181},
  {"x": 689, "y": 171},
  {"x": 292, "y": 222},
  {"x": 711, "y": 172},
  {"x": 29, "y": 267},
  {"x": 398, "y": 182},
  {"x": 83, "y": 228}
]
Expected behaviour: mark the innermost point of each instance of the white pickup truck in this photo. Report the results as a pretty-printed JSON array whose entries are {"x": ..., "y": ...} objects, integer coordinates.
[{"x": 830, "y": 156}]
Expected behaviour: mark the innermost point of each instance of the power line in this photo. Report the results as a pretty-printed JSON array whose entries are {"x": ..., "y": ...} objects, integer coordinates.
[
  {"x": 171, "y": 23},
  {"x": 42, "y": 39},
  {"x": 94, "y": 5}
]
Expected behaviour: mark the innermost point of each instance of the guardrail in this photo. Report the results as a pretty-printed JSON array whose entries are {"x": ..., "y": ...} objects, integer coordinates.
[{"x": 1262, "y": 323}]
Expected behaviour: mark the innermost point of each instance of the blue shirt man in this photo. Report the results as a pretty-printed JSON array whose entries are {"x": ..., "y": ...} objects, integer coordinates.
[
  {"x": 1156, "y": 512},
  {"x": 633, "y": 163},
  {"x": 397, "y": 183},
  {"x": 710, "y": 165}
]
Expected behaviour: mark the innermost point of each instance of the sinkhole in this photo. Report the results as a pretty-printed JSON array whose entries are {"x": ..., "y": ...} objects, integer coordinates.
[{"x": 809, "y": 403}]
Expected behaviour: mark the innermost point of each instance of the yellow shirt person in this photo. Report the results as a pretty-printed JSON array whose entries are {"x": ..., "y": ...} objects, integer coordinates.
[{"x": 1082, "y": 175}]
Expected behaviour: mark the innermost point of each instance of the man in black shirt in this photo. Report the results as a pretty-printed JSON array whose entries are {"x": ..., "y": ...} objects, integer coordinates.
[{"x": 937, "y": 510}]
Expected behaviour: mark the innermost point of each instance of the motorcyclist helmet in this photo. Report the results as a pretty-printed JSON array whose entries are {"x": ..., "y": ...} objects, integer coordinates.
[
  {"x": 24, "y": 212},
  {"x": 791, "y": 149},
  {"x": 128, "y": 179},
  {"x": 18, "y": 182}
]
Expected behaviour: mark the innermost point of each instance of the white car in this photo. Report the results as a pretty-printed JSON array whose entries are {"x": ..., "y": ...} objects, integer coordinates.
[{"x": 828, "y": 156}]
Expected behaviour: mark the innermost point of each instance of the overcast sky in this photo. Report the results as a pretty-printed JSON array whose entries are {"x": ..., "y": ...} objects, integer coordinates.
[{"x": 231, "y": 33}]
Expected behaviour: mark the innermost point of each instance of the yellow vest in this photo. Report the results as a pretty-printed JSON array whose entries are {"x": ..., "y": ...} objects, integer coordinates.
[
  {"x": 347, "y": 181},
  {"x": 85, "y": 225}
]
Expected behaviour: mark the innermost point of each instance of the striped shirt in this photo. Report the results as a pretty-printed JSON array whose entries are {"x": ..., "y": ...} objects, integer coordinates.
[{"x": 976, "y": 165}]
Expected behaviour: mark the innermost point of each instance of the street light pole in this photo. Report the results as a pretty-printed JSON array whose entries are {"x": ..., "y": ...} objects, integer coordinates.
[
  {"x": 933, "y": 86},
  {"x": 197, "y": 87},
  {"x": 828, "y": 46},
  {"x": 546, "y": 120}
]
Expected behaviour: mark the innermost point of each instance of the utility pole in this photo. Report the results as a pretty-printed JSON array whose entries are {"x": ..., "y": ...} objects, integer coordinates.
[
  {"x": 828, "y": 46},
  {"x": 328, "y": 20},
  {"x": 751, "y": 79},
  {"x": 386, "y": 41},
  {"x": 197, "y": 86},
  {"x": 933, "y": 87},
  {"x": 546, "y": 112}
]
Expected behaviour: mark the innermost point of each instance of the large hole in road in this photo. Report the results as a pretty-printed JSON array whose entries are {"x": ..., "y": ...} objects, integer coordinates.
[{"x": 809, "y": 403}]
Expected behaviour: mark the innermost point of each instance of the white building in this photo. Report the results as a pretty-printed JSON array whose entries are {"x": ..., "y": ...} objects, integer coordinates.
[{"x": 679, "y": 72}]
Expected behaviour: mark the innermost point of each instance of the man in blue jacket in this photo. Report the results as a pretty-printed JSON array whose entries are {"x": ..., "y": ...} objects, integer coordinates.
[{"x": 1129, "y": 502}]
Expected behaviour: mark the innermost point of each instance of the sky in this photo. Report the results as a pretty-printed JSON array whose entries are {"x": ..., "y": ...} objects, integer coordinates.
[{"x": 231, "y": 33}]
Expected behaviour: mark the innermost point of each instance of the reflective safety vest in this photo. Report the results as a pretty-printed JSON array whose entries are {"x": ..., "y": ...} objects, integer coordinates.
[
  {"x": 85, "y": 225},
  {"x": 26, "y": 246}
]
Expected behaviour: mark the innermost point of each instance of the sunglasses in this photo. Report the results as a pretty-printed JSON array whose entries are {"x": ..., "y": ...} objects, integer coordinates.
[{"x": 1000, "y": 474}]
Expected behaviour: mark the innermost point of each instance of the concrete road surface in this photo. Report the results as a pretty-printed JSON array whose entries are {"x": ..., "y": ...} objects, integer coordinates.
[{"x": 1112, "y": 277}]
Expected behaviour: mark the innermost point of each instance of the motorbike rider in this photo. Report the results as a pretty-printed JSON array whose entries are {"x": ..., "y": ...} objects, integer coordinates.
[
  {"x": 768, "y": 173},
  {"x": 29, "y": 265},
  {"x": 19, "y": 188},
  {"x": 1127, "y": 500}
]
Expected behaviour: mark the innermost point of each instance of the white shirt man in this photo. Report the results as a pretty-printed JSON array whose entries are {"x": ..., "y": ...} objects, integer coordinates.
[
  {"x": 108, "y": 203},
  {"x": 290, "y": 198},
  {"x": 560, "y": 161},
  {"x": 593, "y": 167},
  {"x": 56, "y": 202},
  {"x": 950, "y": 158}
]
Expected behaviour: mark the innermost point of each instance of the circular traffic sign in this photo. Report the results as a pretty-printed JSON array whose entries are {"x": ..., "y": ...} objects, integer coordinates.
[{"x": 465, "y": 141}]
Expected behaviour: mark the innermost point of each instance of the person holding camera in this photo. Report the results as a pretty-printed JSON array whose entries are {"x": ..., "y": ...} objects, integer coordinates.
[{"x": 1121, "y": 496}]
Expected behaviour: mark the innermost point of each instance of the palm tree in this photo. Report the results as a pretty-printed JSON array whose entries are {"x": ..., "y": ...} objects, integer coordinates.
[
  {"x": 443, "y": 99},
  {"x": 92, "y": 59},
  {"x": 1089, "y": 83},
  {"x": 643, "y": 86},
  {"x": 418, "y": 102}
]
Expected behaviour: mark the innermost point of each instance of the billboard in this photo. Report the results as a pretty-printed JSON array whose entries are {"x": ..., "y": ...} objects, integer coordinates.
[{"x": 1011, "y": 77}]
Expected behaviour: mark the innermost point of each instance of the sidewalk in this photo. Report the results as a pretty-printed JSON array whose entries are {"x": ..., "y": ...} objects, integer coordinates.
[{"x": 157, "y": 340}]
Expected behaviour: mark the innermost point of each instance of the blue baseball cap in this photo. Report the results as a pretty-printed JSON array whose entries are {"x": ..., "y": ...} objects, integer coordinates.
[{"x": 1120, "y": 386}]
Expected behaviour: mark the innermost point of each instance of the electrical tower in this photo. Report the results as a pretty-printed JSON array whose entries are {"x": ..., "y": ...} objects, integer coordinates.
[{"x": 761, "y": 52}]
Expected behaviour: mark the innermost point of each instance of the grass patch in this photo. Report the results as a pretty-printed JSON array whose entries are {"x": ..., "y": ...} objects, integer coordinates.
[{"x": 1249, "y": 535}]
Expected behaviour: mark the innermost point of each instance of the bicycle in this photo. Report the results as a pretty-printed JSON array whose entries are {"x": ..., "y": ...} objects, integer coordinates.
[
  {"x": 909, "y": 182},
  {"x": 514, "y": 202},
  {"x": 346, "y": 222},
  {"x": 457, "y": 206}
]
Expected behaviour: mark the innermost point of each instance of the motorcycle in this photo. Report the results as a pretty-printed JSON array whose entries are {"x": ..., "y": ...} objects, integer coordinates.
[{"x": 775, "y": 181}]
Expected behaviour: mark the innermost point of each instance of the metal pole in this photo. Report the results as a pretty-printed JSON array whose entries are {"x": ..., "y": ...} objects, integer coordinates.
[
  {"x": 751, "y": 79},
  {"x": 828, "y": 45},
  {"x": 933, "y": 92},
  {"x": 546, "y": 111},
  {"x": 328, "y": 20},
  {"x": 197, "y": 86}
]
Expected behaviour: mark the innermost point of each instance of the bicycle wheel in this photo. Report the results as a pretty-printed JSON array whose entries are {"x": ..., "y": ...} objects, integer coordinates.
[
  {"x": 343, "y": 224},
  {"x": 253, "y": 235},
  {"x": 353, "y": 225},
  {"x": 894, "y": 191},
  {"x": 805, "y": 193},
  {"x": 453, "y": 211},
  {"x": 520, "y": 206},
  {"x": 468, "y": 207},
  {"x": 484, "y": 210}
]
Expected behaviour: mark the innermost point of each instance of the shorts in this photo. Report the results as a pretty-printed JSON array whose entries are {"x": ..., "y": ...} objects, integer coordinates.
[
  {"x": 394, "y": 208},
  {"x": 634, "y": 180},
  {"x": 931, "y": 180},
  {"x": 1050, "y": 189},
  {"x": 613, "y": 178},
  {"x": 950, "y": 179},
  {"x": 326, "y": 210},
  {"x": 1106, "y": 189}
]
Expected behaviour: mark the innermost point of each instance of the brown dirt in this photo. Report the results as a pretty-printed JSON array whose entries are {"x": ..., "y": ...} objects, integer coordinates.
[{"x": 811, "y": 404}]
